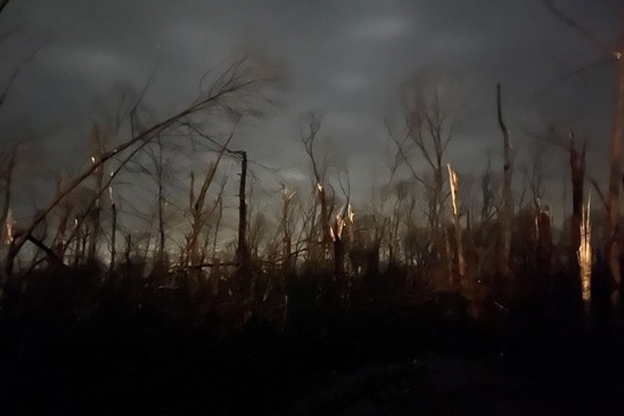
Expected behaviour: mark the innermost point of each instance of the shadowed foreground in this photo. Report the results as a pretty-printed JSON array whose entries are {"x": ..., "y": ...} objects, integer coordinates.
[{"x": 167, "y": 354}]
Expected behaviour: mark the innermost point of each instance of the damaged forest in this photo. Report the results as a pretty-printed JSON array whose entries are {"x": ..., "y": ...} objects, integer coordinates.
[{"x": 163, "y": 266}]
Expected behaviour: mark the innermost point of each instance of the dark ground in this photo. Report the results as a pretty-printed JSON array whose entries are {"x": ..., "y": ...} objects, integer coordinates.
[{"x": 385, "y": 358}]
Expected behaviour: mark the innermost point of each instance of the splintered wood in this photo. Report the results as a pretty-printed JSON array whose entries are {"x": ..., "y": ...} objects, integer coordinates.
[
  {"x": 584, "y": 254},
  {"x": 454, "y": 185},
  {"x": 9, "y": 227}
]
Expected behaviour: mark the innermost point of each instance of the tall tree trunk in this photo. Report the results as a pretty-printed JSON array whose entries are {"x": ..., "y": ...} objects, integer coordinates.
[
  {"x": 325, "y": 233},
  {"x": 95, "y": 216},
  {"x": 242, "y": 253},
  {"x": 507, "y": 211},
  {"x": 8, "y": 266},
  {"x": 191, "y": 250},
  {"x": 113, "y": 239},
  {"x": 7, "y": 195},
  {"x": 215, "y": 241},
  {"x": 459, "y": 251},
  {"x": 160, "y": 253},
  {"x": 287, "y": 239},
  {"x": 577, "y": 170},
  {"x": 613, "y": 199},
  {"x": 544, "y": 242}
]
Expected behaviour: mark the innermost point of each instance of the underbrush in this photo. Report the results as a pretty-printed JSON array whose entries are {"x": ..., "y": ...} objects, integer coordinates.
[{"x": 81, "y": 342}]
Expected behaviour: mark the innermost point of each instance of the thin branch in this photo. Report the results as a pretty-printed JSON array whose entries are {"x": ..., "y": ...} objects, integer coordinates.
[
  {"x": 401, "y": 152},
  {"x": 16, "y": 73},
  {"x": 598, "y": 191},
  {"x": 3, "y": 4},
  {"x": 604, "y": 47}
]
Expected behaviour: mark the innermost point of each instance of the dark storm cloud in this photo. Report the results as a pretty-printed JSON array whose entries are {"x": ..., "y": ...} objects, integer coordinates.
[{"x": 345, "y": 58}]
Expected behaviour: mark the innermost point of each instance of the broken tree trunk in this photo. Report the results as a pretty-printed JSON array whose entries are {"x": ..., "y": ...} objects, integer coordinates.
[
  {"x": 95, "y": 214},
  {"x": 584, "y": 256},
  {"x": 325, "y": 227},
  {"x": 459, "y": 251},
  {"x": 242, "y": 252}
]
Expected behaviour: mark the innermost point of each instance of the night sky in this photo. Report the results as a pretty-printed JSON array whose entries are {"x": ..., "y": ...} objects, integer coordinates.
[{"x": 346, "y": 59}]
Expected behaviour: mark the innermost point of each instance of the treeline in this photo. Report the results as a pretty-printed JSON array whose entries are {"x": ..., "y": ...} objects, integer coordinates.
[{"x": 427, "y": 230}]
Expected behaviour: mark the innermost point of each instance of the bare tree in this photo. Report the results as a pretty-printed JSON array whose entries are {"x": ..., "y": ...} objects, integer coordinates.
[
  {"x": 160, "y": 201},
  {"x": 319, "y": 173},
  {"x": 242, "y": 250},
  {"x": 576, "y": 164},
  {"x": 432, "y": 121},
  {"x": 613, "y": 52},
  {"x": 459, "y": 251},
  {"x": 237, "y": 91}
]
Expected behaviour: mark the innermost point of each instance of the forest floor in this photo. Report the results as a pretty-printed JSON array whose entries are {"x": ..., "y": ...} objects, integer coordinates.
[{"x": 387, "y": 359}]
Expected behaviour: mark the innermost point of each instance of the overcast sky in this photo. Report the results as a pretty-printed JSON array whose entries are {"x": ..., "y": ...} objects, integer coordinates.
[{"x": 347, "y": 59}]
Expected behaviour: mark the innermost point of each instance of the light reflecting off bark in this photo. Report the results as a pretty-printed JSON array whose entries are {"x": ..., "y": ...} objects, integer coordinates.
[
  {"x": 584, "y": 253},
  {"x": 9, "y": 227}
]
